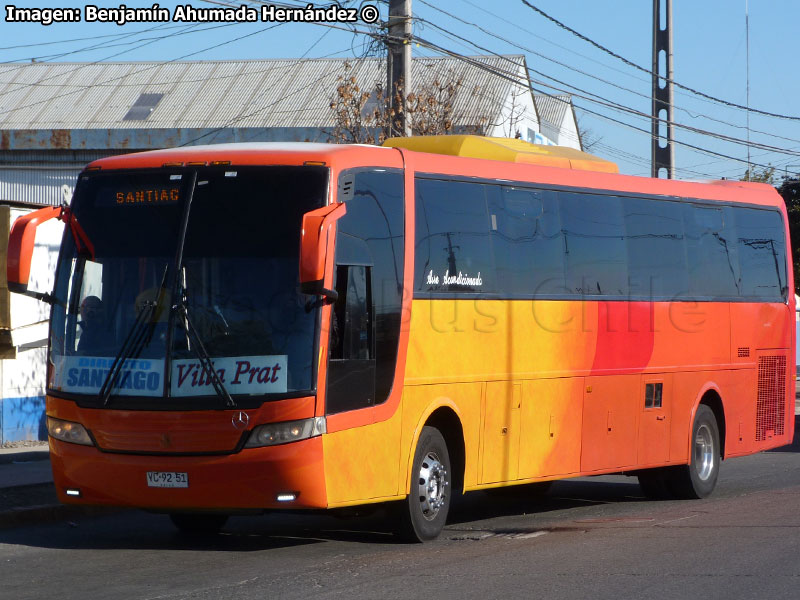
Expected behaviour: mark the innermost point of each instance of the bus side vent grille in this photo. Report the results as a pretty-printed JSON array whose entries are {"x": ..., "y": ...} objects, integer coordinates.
[
  {"x": 770, "y": 411},
  {"x": 346, "y": 188},
  {"x": 744, "y": 352}
]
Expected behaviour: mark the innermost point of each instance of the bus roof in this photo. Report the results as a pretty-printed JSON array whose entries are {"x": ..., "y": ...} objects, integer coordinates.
[
  {"x": 505, "y": 149},
  {"x": 241, "y": 153},
  {"x": 465, "y": 156}
]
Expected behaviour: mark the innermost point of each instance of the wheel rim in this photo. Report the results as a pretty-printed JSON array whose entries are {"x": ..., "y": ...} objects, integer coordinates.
[
  {"x": 432, "y": 486},
  {"x": 704, "y": 452}
]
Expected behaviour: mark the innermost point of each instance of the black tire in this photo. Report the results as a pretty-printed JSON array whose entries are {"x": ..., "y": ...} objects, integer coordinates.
[
  {"x": 198, "y": 523},
  {"x": 424, "y": 512},
  {"x": 699, "y": 477}
]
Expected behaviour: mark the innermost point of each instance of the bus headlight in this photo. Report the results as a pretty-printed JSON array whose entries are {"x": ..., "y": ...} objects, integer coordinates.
[
  {"x": 273, "y": 434},
  {"x": 67, "y": 431}
]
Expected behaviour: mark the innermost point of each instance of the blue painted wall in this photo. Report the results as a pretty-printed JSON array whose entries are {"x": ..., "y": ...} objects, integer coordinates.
[{"x": 22, "y": 419}]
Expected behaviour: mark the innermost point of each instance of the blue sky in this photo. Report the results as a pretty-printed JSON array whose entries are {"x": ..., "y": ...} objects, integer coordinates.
[{"x": 709, "y": 56}]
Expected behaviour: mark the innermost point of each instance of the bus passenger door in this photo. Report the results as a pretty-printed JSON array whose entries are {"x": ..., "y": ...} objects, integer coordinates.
[
  {"x": 362, "y": 446},
  {"x": 351, "y": 366},
  {"x": 654, "y": 424}
]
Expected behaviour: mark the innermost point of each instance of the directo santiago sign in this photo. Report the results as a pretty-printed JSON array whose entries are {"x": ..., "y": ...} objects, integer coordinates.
[{"x": 142, "y": 377}]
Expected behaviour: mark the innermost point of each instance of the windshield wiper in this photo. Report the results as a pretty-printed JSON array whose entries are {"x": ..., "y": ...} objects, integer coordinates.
[
  {"x": 132, "y": 344},
  {"x": 201, "y": 352},
  {"x": 139, "y": 334}
]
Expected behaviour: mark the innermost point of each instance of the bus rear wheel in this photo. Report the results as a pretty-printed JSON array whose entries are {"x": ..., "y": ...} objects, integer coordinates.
[
  {"x": 198, "y": 523},
  {"x": 424, "y": 513},
  {"x": 699, "y": 477}
]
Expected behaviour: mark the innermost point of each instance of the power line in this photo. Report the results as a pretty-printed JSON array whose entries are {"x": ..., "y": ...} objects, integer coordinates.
[
  {"x": 82, "y": 39},
  {"x": 20, "y": 86},
  {"x": 241, "y": 117},
  {"x": 577, "y": 70},
  {"x": 153, "y": 66},
  {"x": 596, "y": 99},
  {"x": 505, "y": 75},
  {"x": 644, "y": 70}
]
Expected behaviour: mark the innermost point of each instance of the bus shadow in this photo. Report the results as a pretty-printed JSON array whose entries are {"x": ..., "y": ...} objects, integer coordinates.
[
  {"x": 529, "y": 500},
  {"x": 134, "y": 530},
  {"x": 794, "y": 446}
]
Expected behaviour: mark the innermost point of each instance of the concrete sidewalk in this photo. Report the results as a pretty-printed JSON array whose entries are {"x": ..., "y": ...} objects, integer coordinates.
[
  {"x": 27, "y": 494},
  {"x": 24, "y": 466}
]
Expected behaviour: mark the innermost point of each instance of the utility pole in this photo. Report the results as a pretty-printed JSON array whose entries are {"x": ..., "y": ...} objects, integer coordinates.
[
  {"x": 398, "y": 63},
  {"x": 662, "y": 155},
  {"x": 747, "y": 78}
]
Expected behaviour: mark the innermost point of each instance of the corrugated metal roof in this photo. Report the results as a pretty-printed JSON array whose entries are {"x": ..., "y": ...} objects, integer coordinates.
[
  {"x": 208, "y": 94},
  {"x": 37, "y": 185},
  {"x": 552, "y": 108},
  {"x": 68, "y": 159}
]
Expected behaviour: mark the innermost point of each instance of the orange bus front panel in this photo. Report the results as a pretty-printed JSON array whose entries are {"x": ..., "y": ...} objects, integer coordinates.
[
  {"x": 250, "y": 479},
  {"x": 202, "y": 444}
]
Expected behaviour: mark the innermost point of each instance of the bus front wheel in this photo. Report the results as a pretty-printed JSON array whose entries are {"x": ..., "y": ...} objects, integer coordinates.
[
  {"x": 698, "y": 478},
  {"x": 426, "y": 507}
]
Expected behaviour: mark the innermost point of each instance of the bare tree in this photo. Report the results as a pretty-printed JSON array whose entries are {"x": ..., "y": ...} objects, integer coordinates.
[
  {"x": 516, "y": 113},
  {"x": 366, "y": 116},
  {"x": 353, "y": 122},
  {"x": 587, "y": 137},
  {"x": 763, "y": 175}
]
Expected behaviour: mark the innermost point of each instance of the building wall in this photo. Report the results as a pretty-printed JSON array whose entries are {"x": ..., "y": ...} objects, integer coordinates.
[
  {"x": 23, "y": 343},
  {"x": 564, "y": 133},
  {"x": 22, "y": 407}
]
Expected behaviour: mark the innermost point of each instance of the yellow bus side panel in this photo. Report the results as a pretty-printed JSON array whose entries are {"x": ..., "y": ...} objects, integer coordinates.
[
  {"x": 550, "y": 439},
  {"x": 492, "y": 346},
  {"x": 420, "y": 401},
  {"x": 485, "y": 340},
  {"x": 362, "y": 463},
  {"x": 501, "y": 432}
]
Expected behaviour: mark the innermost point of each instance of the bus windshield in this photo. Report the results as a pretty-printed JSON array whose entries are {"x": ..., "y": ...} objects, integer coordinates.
[{"x": 188, "y": 266}]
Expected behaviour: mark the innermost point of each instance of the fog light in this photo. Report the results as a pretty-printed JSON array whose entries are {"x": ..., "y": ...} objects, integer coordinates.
[
  {"x": 73, "y": 492},
  {"x": 287, "y": 497}
]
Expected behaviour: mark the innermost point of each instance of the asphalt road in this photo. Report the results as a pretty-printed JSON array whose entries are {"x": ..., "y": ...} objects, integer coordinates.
[{"x": 588, "y": 538}]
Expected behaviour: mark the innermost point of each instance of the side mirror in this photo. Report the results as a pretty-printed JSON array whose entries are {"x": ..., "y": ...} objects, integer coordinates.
[
  {"x": 315, "y": 240},
  {"x": 21, "y": 241},
  {"x": 20, "y": 250}
]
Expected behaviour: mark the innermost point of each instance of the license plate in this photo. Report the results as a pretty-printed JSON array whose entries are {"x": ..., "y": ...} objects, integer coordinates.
[{"x": 167, "y": 479}]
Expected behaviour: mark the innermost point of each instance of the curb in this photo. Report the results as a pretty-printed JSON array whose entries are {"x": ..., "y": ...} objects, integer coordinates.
[{"x": 25, "y": 456}]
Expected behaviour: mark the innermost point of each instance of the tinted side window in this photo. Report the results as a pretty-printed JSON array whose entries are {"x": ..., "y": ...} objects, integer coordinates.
[
  {"x": 594, "y": 244},
  {"x": 762, "y": 253},
  {"x": 527, "y": 241},
  {"x": 711, "y": 252},
  {"x": 656, "y": 248},
  {"x": 453, "y": 249},
  {"x": 375, "y": 223}
]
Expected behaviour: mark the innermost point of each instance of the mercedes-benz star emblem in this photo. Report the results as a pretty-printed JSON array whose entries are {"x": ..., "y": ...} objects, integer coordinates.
[{"x": 240, "y": 420}]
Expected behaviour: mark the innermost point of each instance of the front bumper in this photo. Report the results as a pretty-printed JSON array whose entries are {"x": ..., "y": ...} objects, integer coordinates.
[{"x": 250, "y": 479}]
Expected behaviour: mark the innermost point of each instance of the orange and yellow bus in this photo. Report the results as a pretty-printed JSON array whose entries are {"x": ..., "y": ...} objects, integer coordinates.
[{"x": 251, "y": 327}]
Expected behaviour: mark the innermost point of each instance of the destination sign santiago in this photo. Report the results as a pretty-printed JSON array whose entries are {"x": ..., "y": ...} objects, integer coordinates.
[{"x": 142, "y": 377}]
